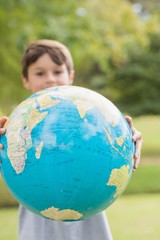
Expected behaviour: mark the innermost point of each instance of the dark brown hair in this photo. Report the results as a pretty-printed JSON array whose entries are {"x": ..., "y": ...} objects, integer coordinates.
[{"x": 58, "y": 52}]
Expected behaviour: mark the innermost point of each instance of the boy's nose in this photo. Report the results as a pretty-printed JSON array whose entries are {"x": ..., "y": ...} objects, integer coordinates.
[{"x": 51, "y": 78}]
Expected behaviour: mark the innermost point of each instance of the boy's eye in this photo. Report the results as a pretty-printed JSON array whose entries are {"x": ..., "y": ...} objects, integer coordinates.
[
  {"x": 39, "y": 73},
  {"x": 57, "y": 72}
]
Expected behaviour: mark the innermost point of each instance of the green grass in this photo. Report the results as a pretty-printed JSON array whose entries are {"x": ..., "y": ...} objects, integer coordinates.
[
  {"x": 135, "y": 217},
  {"x": 145, "y": 180},
  {"x": 149, "y": 126},
  {"x": 8, "y": 223},
  {"x": 130, "y": 217}
]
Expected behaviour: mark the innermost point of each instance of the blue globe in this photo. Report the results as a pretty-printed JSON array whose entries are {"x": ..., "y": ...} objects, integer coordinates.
[{"x": 68, "y": 153}]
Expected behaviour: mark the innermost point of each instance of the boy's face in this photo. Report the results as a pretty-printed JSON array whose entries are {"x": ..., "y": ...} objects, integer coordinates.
[{"x": 45, "y": 73}]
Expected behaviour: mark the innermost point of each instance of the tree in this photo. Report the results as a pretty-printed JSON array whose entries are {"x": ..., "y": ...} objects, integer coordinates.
[
  {"x": 140, "y": 75},
  {"x": 102, "y": 39},
  {"x": 147, "y": 5}
]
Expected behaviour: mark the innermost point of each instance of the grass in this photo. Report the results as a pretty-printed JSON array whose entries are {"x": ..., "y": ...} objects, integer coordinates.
[
  {"x": 130, "y": 217},
  {"x": 135, "y": 217},
  {"x": 145, "y": 180},
  {"x": 150, "y": 128},
  {"x": 8, "y": 223}
]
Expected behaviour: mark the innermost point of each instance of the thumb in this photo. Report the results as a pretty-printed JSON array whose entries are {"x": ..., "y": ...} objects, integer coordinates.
[{"x": 3, "y": 120}]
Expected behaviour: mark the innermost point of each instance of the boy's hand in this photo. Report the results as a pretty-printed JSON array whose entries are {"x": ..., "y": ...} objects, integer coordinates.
[
  {"x": 3, "y": 120},
  {"x": 137, "y": 138}
]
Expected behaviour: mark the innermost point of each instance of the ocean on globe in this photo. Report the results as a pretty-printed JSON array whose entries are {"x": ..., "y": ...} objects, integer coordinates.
[{"x": 68, "y": 153}]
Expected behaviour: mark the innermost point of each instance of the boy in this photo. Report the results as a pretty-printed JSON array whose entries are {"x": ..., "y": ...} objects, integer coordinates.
[{"x": 46, "y": 64}]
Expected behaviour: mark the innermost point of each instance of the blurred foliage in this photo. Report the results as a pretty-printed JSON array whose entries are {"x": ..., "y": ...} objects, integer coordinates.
[
  {"x": 148, "y": 5},
  {"x": 6, "y": 200},
  {"x": 141, "y": 71},
  {"x": 116, "y": 52}
]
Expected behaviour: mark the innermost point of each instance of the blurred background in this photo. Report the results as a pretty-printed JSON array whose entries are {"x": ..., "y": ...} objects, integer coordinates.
[{"x": 116, "y": 50}]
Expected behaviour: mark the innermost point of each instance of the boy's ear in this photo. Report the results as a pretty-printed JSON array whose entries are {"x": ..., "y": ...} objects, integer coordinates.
[
  {"x": 25, "y": 83},
  {"x": 71, "y": 76}
]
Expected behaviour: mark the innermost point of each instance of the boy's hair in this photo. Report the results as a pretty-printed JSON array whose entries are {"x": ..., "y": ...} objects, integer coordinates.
[{"x": 58, "y": 52}]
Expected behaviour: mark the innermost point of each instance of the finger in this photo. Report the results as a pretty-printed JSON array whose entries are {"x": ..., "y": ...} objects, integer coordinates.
[
  {"x": 1, "y": 146},
  {"x": 2, "y": 131},
  {"x": 3, "y": 120},
  {"x": 136, "y": 135},
  {"x": 129, "y": 120},
  {"x": 136, "y": 163},
  {"x": 137, "y": 154}
]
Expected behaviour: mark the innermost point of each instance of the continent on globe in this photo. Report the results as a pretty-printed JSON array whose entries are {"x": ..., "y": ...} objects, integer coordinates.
[
  {"x": 67, "y": 154},
  {"x": 59, "y": 215},
  {"x": 19, "y": 133},
  {"x": 30, "y": 118},
  {"x": 119, "y": 178}
]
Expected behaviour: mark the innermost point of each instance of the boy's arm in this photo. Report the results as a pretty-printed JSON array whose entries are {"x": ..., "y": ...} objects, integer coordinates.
[
  {"x": 3, "y": 120},
  {"x": 137, "y": 138}
]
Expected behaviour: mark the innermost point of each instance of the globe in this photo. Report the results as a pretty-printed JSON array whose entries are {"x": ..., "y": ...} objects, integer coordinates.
[{"x": 68, "y": 153}]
